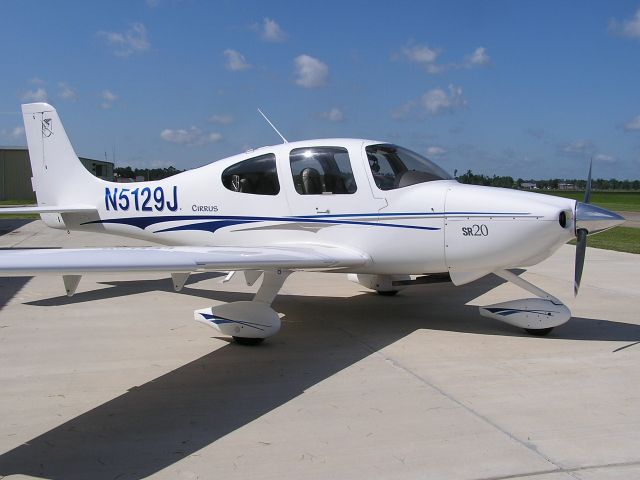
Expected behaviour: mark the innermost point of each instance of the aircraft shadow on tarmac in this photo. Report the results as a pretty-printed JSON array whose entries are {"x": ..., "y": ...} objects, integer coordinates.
[
  {"x": 9, "y": 286},
  {"x": 171, "y": 417},
  {"x": 435, "y": 307},
  {"x": 8, "y": 225}
]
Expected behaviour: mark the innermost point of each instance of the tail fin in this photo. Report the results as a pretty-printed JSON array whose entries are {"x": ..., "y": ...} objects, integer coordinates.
[{"x": 59, "y": 178}]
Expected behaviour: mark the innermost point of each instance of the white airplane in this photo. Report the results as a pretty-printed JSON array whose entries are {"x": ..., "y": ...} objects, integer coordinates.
[{"x": 374, "y": 210}]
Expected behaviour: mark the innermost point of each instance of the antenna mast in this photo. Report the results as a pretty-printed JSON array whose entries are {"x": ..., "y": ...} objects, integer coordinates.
[{"x": 273, "y": 126}]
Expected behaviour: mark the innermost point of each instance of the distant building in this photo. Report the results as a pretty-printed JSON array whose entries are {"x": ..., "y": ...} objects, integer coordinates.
[
  {"x": 529, "y": 186},
  {"x": 15, "y": 173},
  {"x": 566, "y": 186}
]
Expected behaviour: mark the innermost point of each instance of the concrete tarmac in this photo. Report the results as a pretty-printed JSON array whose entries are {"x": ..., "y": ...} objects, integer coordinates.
[{"x": 119, "y": 381}]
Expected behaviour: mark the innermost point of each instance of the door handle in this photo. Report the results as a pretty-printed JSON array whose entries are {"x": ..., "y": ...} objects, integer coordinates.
[{"x": 322, "y": 211}]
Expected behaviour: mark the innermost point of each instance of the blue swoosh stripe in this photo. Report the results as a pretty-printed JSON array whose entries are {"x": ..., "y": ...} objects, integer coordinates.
[
  {"x": 416, "y": 214},
  {"x": 221, "y": 320},
  {"x": 219, "y": 221},
  {"x": 145, "y": 222},
  {"x": 510, "y": 311}
]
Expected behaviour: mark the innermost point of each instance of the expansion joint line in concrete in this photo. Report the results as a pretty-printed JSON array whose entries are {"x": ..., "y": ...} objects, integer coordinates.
[
  {"x": 569, "y": 471},
  {"x": 475, "y": 413}
]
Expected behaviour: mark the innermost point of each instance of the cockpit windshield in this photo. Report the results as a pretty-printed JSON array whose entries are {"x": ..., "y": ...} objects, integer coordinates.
[{"x": 396, "y": 167}]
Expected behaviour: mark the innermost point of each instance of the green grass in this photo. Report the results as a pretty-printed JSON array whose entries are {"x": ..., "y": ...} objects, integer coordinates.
[
  {"x": 17, "y": 202},
  {"x": 616, "y": 201},
  {"x": 18, "y": 215},
  {"x": 620, "y": 239}
]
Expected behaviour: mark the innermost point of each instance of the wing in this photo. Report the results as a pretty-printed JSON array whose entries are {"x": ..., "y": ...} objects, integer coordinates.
[{"x": 175, "y": 259}]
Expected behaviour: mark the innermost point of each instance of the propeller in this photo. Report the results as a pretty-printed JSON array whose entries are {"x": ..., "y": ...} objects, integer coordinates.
[
  {"x": 589, "y": 219},
  {"x": 581, "y": 238},
  {"x": 581, "y": 248}
]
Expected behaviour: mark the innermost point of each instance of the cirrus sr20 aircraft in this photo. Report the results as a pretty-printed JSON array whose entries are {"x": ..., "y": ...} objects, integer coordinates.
[{"x": 383, "y": 214}]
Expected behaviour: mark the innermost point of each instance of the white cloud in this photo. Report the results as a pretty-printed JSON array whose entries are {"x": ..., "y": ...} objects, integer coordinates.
[
  {"x": 221, "y": 119},
  {"x": 310, "y": 72},
  {"x": 633, "y": 125},
  {"x": 479, "y": 58},
  {"x": 334, "y": 115},
  {"x": 66, "y": 92},
  {"x": 403, "y": 110},
  {"x": 271, "y": 31},
  {"x": 214, "y": 137},
  {"x": 427, "y": 57},
  {"x": 37, "y": 81},
  {"x": 420, "y": 54},
  {"x": 601, "y": 157},
  {"x": 627, "y": 28},
  {"x": 16, "y": 133},
  {"x": 437, "y": 101},
  {"x": 578, "y": 148},
  {"x": 192, "y": 136},
  {"x": 108, "y": 98},
  {"x": 434, "y": 102},
  {"x": 37, "y": 95},
  {"x": 235, "y": 60},
  {"x": 435, "y": 151},
  {"x": 125, "y": 44},
  {"x": 434, "y": 68}
]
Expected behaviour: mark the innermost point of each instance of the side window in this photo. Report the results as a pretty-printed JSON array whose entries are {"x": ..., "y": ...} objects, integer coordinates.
[
  {"x": 322, "y": 170},
  {"x": 256, "y": 175}
]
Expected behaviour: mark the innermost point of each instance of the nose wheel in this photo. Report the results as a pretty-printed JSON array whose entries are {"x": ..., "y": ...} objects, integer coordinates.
[
  {"x": 248, "y": 341},
  {"x": 537, "y": 316},
  {"x": 387, "y": 293},
  {"x": 539, "y": 332}
]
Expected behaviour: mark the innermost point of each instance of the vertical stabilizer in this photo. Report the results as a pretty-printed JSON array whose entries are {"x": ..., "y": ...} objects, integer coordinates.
[{"x": 58, "y": 175}]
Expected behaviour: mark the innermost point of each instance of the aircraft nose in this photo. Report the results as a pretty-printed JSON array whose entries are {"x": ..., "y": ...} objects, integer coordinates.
[{"x": 595, "y": 219}]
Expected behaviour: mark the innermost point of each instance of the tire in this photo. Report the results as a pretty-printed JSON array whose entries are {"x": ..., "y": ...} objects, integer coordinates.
[
  {"x": 387, "y": 293},
  {"x": 539, "y": 332},
  {"x": 248, "y": 341}
]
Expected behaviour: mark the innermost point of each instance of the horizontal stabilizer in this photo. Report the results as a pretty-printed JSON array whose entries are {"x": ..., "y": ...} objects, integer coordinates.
[
  {"x": 48, "y": 209},
  {"x": 175, "y": 259}
]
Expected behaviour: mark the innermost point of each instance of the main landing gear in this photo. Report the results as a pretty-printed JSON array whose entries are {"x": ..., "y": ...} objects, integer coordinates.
[{"x": 248, "y": 322}]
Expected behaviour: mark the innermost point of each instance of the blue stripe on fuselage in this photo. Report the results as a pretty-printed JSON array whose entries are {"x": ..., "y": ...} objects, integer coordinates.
[{"x": 212, "y": 223}]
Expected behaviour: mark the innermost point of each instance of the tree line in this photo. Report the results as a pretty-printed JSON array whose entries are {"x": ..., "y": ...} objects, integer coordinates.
[
  {"x": 551, "y": 184},
  {"x": 145, "y": 173}
]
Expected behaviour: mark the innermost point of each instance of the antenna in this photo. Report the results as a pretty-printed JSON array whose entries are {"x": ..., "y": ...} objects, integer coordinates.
[{"x": 273, "y": 126}]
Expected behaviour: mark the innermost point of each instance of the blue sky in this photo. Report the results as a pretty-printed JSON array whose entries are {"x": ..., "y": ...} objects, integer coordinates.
[{"x": 527, "y": 88}]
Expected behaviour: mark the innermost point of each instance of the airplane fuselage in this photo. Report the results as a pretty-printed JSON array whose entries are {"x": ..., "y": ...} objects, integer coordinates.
[{"x": 431, "y": 226}]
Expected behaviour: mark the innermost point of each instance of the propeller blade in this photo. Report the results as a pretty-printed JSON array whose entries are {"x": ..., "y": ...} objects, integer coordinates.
[
  {"x": 581, "y": 247},
  {"x": 587, "y": 192}
]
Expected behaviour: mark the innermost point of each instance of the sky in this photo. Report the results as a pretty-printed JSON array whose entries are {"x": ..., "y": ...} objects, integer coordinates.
[{"x": 531, "y": 89}]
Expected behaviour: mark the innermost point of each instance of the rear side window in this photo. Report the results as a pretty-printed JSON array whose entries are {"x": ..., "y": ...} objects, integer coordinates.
[
  {"x": 322, "y": 170},
  {"x": 256, "y": 175}
]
